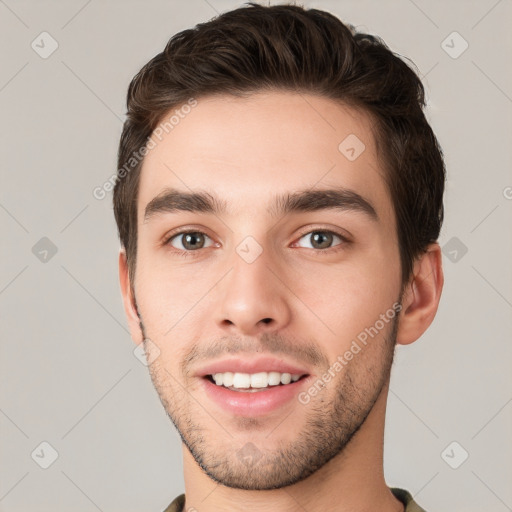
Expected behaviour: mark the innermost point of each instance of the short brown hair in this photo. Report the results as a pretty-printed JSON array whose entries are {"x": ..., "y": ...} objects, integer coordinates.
[{"x": 286, "y": 47}]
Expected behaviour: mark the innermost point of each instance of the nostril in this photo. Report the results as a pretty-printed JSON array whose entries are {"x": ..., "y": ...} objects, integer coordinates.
[{"x": 267, "y": 320}]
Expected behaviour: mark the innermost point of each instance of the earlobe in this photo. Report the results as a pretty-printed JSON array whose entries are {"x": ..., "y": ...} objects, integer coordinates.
[
  {"x": 129, "y": 299},
  {"x": 421, "y": 296}
]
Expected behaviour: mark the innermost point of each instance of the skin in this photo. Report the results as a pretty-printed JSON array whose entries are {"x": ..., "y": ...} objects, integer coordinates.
[{"x": 327, "y": 454}]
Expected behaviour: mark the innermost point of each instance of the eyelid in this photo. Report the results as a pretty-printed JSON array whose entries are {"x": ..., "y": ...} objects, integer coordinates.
[
  {"x": 166, "y": 240},
  {"x": 182, "y": 230},
  {"x": 179, "y": 231},
  {"x": 345, "y": 240},
  {"x": 342, "y": 234}
]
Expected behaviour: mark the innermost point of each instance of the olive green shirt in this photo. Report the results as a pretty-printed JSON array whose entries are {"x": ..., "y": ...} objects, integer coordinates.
[{"x": 401, "y": 494}]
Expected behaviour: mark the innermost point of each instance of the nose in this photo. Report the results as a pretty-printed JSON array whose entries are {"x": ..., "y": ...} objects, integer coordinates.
[{"x": 253, "y": 298}]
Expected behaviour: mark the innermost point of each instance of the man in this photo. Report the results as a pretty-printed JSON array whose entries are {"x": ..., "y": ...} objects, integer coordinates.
[{"x": 279, "y": 198}]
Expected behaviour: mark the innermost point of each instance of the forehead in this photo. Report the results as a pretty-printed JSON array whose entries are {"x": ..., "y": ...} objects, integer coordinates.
[{"x": 248, "y": 150}]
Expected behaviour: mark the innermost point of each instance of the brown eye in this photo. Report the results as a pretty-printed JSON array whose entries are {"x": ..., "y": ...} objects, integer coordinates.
[
  {"x": 320, "y": 239},
  {"x": 189, "y": 241}
]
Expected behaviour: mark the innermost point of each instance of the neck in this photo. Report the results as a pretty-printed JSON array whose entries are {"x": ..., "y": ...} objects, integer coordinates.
[{"x": 352, "y": 481}]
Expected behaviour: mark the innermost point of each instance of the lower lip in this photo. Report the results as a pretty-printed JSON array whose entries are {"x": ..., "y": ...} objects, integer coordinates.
[{"x": 255, "y": 403}]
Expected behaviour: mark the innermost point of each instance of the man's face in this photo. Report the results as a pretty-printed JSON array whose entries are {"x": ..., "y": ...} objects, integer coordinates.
[{"x": 286, "y": 285}]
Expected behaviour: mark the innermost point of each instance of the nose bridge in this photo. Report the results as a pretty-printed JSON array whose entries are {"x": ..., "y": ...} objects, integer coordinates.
[{"x": 252, "y": 299}]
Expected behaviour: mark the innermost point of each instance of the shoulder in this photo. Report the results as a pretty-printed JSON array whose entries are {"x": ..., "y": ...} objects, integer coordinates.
[
  {"x": 177, "y": 504},
  {"x": 406, "y": 498}
]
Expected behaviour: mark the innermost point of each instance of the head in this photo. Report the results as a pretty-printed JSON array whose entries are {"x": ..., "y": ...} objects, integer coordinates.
[{"x": 295, "y": 153}]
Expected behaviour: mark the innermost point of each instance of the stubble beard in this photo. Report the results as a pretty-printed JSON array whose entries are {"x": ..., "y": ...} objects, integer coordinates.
[{"x": 332, "y": 420}]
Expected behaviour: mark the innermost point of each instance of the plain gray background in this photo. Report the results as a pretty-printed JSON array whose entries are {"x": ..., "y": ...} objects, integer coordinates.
[{"x": 68, "y": 374}]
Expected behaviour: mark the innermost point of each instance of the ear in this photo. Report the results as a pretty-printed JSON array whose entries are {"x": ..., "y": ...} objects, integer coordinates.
[
  {"x": 421, "y": 296},
  {"x": 129, "y": 300}
]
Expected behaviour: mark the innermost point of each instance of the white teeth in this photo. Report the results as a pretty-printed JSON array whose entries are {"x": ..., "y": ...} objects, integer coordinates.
[
  {"x": 259, "y": 380},
  {"x": 254, "y": 380},
  {"x": 286, "y": 378},
  {"x": 227, "y": 379},
  {"x": 241, "y": 380},
  {"x": 274, "y": 378}
]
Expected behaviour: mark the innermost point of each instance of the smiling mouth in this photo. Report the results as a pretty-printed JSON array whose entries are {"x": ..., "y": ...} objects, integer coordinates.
[{"x": 250, "y": 383}]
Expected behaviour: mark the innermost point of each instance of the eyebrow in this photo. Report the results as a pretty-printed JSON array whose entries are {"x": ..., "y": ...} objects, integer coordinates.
[{"x": 174, "y": 201}]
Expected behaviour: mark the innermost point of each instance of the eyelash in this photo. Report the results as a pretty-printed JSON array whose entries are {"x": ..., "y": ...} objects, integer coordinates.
[{"x": 323, "y": 252}]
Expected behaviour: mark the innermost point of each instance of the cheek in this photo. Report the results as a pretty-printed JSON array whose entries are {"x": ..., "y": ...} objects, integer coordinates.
[
  {"x": 174, "y": 296},
  {"x": 346, "y": 299},
  {"x": 170, "y": 297}
]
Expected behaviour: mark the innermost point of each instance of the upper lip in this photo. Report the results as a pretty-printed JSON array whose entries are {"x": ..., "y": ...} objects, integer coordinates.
[{"x": 254, "y": 365}]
